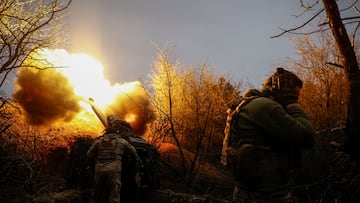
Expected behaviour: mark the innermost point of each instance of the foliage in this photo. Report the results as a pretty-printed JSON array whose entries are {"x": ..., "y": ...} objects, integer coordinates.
[
  {"x": 327, "y": 173},
  {"x": 352, "y": 75},
  {"x": 325, "y": 92},
  {"x": 27, "y": 26},
  {"x": 33, "y": 160},
  {"x": 342, "y": 19},
  {"x": 191, "y": 108}
]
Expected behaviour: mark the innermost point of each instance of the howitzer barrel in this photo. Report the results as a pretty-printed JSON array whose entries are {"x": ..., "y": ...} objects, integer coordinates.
[
  {"x": 98, "y": 112},
  {"x": 148, "y": 157}
]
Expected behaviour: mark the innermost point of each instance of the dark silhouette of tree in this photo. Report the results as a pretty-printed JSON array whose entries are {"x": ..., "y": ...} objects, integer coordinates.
[{"x": 352, "y": 72}]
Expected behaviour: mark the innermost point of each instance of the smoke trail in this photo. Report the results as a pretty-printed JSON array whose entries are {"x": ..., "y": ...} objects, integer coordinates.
[{"x": 46, "y": 96}]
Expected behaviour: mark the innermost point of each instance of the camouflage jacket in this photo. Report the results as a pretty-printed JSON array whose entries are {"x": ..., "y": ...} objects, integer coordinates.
[{"x": 108, "y": 152}]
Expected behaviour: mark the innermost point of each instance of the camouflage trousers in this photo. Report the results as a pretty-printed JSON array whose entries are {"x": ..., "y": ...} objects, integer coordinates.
[
  {"x": 242, "y": 196},
  {"x": 107, "y": 187}
]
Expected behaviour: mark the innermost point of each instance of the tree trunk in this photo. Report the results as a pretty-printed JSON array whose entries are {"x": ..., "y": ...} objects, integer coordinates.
[{"x": 352, "y": 72}]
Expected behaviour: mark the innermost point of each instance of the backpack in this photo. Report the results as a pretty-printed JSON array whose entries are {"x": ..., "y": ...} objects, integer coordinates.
[
  {"x": 243, "y": 158},
  {"x": 230, "y": 129},
  {"x": 246, "y": 98}
]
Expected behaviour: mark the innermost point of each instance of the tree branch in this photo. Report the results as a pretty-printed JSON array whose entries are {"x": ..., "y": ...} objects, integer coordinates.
[{"x": 301, "y": 26}]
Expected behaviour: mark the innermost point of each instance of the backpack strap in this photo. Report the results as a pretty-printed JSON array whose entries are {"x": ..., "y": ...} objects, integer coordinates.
[{"x": 232, "y": 117}]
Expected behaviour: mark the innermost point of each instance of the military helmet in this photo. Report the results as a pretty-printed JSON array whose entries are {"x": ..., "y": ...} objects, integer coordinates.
[
  {"x": 281, "y": 79},
  {"x": 115, "y": 124}
]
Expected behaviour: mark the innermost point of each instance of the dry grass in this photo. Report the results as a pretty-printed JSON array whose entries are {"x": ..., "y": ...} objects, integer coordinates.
[
  {"x": 209, "y": 180},
  {"x": 170, "y": 154}
]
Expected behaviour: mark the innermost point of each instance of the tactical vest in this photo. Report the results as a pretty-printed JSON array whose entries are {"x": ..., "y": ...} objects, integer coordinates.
[
  {"x": 109, "y": 150},
  {"x": 110, "y": 153}
]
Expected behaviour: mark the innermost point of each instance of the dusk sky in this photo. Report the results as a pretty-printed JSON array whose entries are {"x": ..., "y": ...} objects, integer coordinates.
[{"x": 231, "y": 35}]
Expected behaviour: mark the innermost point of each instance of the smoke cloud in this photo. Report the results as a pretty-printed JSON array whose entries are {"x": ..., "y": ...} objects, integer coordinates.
[
  {"x": 133, "y": 106},
  {"x": 56, "y": 95},
  {"x": 46, "y": 96}
]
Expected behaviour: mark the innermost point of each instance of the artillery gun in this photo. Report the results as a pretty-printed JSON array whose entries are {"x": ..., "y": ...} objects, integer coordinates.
[
  {"x": 79, "y": 174},
  {"x": 149, "y": 157}
]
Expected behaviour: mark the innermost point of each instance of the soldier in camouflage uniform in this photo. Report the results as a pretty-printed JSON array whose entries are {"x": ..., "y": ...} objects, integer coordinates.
[
  {"x": 108, "y": 152},
  {"x": 267, "y": 136}
]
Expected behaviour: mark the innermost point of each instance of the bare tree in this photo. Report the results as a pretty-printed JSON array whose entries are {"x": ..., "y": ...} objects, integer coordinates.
[
  {"x": 27, "y": 26},
  {"x": 191, "y": 110},
  {"x": 324, "y": 95},
  {"x": 165, "y": 84},
  {"x": 336, "y": 24},
  {"x": 352, "y": 72}
]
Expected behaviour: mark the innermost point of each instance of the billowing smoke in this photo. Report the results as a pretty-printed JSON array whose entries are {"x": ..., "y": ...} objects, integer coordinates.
[
  {"x": 133, "y": 106},
  {"x": 46, "y": 96},
  {"x": 56, "y": 95}
]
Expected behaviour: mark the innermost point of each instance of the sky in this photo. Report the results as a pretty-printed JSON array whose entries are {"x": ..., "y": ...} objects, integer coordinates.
[{"x": 231, "y": 36}]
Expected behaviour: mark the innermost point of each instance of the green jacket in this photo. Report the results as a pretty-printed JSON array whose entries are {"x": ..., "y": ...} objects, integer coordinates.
[{"x": 278, "y": 135}]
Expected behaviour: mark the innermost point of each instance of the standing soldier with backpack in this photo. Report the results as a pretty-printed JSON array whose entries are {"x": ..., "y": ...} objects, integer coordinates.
[
  {"x": 109, "y": 152},
  {"x": 268, "y": 131}
]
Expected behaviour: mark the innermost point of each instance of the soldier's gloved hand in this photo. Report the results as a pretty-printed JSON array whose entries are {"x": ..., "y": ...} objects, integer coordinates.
[{"x": 287, "y": 96}]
